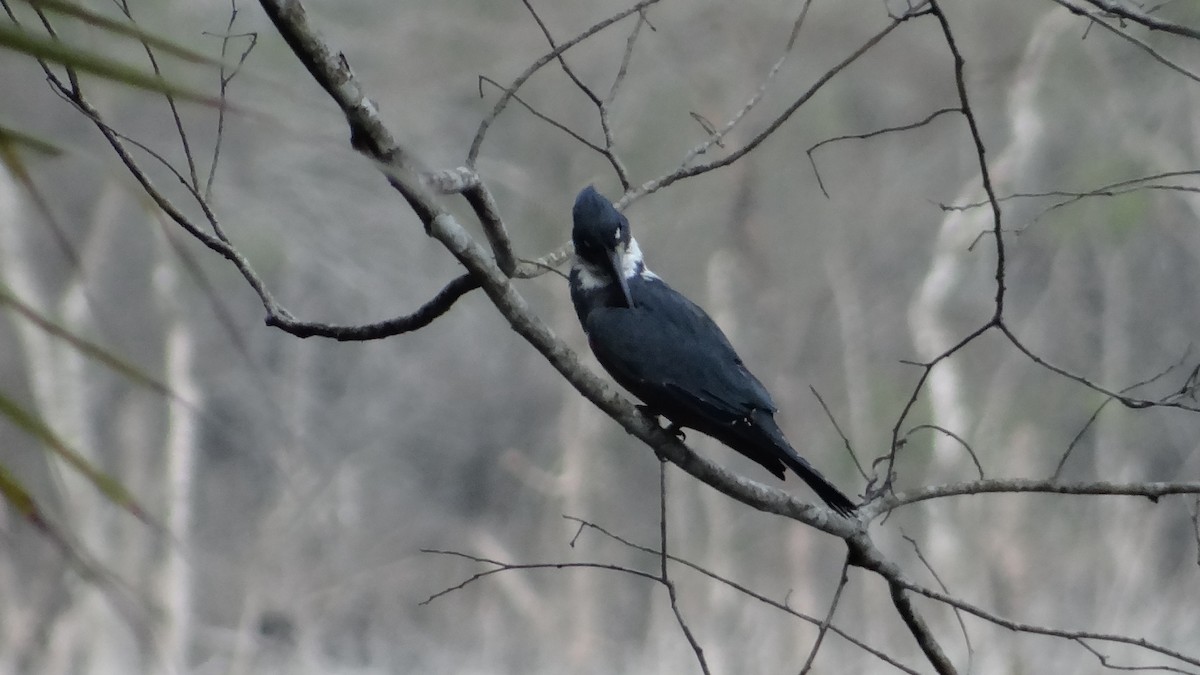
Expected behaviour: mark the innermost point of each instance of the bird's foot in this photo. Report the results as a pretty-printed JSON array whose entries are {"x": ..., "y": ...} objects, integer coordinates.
[
  {"x": 671, "y": 428},
  {"x": 676, "y": 431}
]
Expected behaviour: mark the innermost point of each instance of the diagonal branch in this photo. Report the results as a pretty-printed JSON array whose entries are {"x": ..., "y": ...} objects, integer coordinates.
[
  {"x": 1131, "y": 12},
  {"x": 843, "y": 579},
  {"x": 863, "y": 553},
  {"x": 942, "y": 585},
  {"x": 1098, "y": 19},
  {"x": 370, "y": 136}
]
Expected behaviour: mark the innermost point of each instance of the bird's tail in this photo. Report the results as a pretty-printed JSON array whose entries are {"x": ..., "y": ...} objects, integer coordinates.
[
  {"x": 820, "y": 485},
  {"x": 807, "y": 472}
]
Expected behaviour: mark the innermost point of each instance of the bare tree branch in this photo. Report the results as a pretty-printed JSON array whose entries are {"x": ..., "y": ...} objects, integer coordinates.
[
  {"x": 841, "y": 434},
  {"x": 1042, "y": 630},
  {"x": 424, "y": 316},
  {"x": 686, "y": 171},
  {"x": 499, "y": 567},
  {"x": 843, "y": 579},
  {"x": 225, "y": 78},
  {"x": 1114, "y": 189},
  {"x": 926, "y": 369},
  {"x": 123, "y": 5},
  {"x": 864, "y": 554},
  {"x": 1132, "y": 13},
  {"x": 370, "y": 136},
  {"x": 1171, "y": 401},
  {"x": 962, "y": 625},
  {"x": 1104, "y": 661},
  {"x": 515, "y": 85},
  {"x": 663, "y": 557},
  {"x": 1150, "y": 490},
  {"x": 494, "y": 271},
  {"x": 920, "y": 630},
  {"x": 609, "y": 150},
  {"x": 871, "y": 134},
  {"x": 1097, "y": 18},
  {"x": 740, "y": 588},
  {"x": 542, "y": 116},
  {"x": 959, "y": 439},
  {"x": 985, "y": 175}
]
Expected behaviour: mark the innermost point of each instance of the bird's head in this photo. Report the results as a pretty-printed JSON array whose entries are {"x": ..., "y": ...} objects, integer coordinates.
[{"x": 604, "y": 248}]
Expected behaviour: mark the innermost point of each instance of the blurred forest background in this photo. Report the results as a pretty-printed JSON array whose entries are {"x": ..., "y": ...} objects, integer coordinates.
[{"x": 301, "y": 479}]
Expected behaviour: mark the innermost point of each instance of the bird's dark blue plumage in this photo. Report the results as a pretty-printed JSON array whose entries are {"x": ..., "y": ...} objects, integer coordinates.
[{"x": 668, "y": 352}]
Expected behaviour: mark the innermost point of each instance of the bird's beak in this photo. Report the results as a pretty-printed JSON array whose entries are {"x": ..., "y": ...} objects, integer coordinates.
[{"x": 614, "y": 259}]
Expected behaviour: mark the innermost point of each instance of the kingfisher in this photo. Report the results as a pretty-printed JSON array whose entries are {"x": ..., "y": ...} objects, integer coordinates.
[{"x": 665, "y": 350}]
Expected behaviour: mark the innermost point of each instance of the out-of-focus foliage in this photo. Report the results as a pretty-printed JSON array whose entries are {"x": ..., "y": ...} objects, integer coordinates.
[{"x": 300, "y": 479}]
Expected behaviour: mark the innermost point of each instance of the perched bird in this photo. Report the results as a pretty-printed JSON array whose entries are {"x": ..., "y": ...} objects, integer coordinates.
[{"x": 668, "y": 352}]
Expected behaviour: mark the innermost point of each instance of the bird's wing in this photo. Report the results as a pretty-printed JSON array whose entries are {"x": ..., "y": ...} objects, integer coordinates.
[{"x": 669, "y": 353}]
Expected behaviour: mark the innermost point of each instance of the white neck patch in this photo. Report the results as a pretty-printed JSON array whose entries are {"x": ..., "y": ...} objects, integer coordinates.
[{"x": 592, "y": 276}]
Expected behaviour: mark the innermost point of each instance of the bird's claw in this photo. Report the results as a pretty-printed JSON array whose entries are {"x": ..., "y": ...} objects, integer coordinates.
[{"x": 671, "y": 428}]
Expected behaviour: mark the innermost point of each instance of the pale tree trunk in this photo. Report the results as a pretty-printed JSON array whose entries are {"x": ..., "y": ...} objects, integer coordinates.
[
  {"x": 88, "y": 636},
  {"x": 175, "y": 581},
  {"x": 15, "y": 631}
]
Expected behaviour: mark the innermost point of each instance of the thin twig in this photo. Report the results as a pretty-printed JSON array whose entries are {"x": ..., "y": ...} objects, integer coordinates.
[
  {"x": 542, "y": 116},
  {"x": 626, "y": 57},
  {"x": 843, "y": 579},
  {"x": 1097, "y": 18},
  {"x": 962, "y": 625},
  {"x": 841, "y": 434},
  {"x": 1032, "y": 629},
  {"x": 686, "y": 170},
  {"x": 509, "y": 567},
  {"x": 1062, "y": 461},
  {"x": 180, "y": 131},
  {"x": 869, "y": 557},
  {"x": 926, "y": 369},
  {"x": 511, "y": 90},
  {"x": 1110, "y": 190},
  {"x": 1127, "y": 401},
  {"x": 870, "y": 134},
  {"x": 609, "y": 150},
  {"x": 1104, "y": 661},
  {"x": 225, "y": 78},
  {"x": 558, "y": 56},
  {"x": 744, "y": 590},
  {"x": 664, "y": 577},
  {"x": 961, "y": 441},
  {"x": 716, "y": 136}
]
